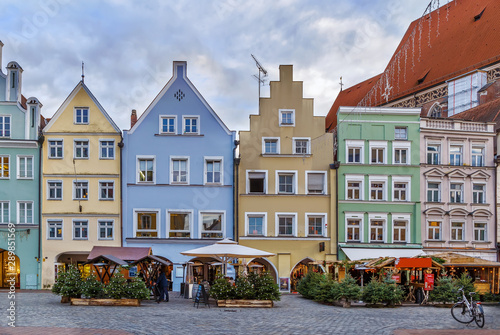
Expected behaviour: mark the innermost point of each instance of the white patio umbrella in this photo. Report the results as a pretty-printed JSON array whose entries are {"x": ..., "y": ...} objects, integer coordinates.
[{"x": 225, "y": 250}]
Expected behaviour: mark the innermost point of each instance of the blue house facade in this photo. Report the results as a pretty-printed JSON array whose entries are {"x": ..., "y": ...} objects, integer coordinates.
[
  {"x": 177, "y": 177},
  {"x": 19, "y": 182}
]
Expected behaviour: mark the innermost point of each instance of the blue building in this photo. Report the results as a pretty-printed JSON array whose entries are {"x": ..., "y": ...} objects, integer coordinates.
[
  {"x": 19, "y": 182},
  {"x": 177, "y": 177}
]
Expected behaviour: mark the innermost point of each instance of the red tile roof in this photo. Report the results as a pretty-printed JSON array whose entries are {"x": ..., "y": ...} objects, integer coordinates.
[
  {"x": 458, "y": 44},
  {"x": 487, "y": 112}
]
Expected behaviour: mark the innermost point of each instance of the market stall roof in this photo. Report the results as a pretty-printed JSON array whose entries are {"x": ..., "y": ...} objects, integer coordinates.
[
  {"x": 414, "y": 262},
  {"x": 107, "y": 259},
  {"x": 455, "y": 259},
  {"x": 123, "y": 253},
  {"x": 152, "y": 258},
  {"x": 355, "y": 254},
  {"x": 403, "y": 262}
]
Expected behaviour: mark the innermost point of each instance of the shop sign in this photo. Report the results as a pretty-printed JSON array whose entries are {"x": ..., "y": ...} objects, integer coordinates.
[
  {"x": 132, "y": 272},
  {"x": 429, "y": 281},
  {"x": 396, "y": 278}
]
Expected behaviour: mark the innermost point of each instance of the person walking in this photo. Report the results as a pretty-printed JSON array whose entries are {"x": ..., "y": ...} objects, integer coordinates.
[{"x": 162, "y": 285}]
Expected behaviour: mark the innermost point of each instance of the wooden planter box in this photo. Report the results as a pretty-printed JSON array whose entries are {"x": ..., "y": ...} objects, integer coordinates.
[
  {"x": 241, "y": 303},
  {"x": 105, "y": 302}
]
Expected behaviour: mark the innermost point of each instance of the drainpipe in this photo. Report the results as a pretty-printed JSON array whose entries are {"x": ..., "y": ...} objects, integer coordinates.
[
  {"x": 236, "y": 191},
  {"x": 497, "y": 162},
  {"x": 120, "y": 145},
  {"x": 41, "y": 138}
]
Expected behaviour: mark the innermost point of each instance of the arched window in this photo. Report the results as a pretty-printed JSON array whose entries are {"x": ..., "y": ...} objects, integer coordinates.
[{"x": 435, "y": 110}]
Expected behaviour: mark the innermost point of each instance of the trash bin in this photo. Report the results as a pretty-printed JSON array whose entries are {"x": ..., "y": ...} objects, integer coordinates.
[{"x": 419, "y": 295}]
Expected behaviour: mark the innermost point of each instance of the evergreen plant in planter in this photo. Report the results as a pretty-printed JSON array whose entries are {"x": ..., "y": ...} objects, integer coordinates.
[
  {"x": 68, "y": 284},
  {"x": 445, "y": 291},
  {"x": 348, "y": 290}
]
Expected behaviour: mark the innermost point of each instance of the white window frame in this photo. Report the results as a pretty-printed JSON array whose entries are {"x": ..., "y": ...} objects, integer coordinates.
[
  {"x": 107, "y": 148},
  {"x": 48, "y": 189},
  {"x": 461, "y": 154},
  {"x": 378, "y": 217},
  {"x": 277, "y": 223},
  {"x": 4, "y": 116},
  {"x": 207, "y": 159},
  {"x": 8, "y": 167},
  {"x": 278, "y": 145},
  {"x": 137, "y": 169},
  {"x": 475, "y": 192},
  {"x": 405, "y": 133},
  {"x": 439, "y": 190},
  {"x": 294, "y": 174},
  {"x": 264, "y": 222},
  {"x": 452, "y": 228},
  {"x": 355, "y": 178},
  {"x": 355, "y": 144},
  {"x": 190, "y": 214},
  {"x": 188, "y": 170},
  {"x": 325, "y": 182},
  {"x": 23, "y": 160},
  {"x": 88, "y": 147},
  {"x": 198, "y": 125},
  {"x": 75, "y": 188},
  {"x": 378, "y": 179},
  {"x": 200, "y": 223},
  {"x": 266, "y": 178},
  {"x": 401, "y": 145},
  {"x": 82, "y": 109},
  {"x": 354, "y": 216},
  {"x": 161, "y": 118},
  {"x": 19, "y": 211},
  {"x": 57, "y": 222},
  {"x": 475, "y": 230},
  {"x": 81, "y": 229},
  {"x": 440, "y": 227},
  {"x": 4, "y": 204},
  {"x": 462, "y": 192},
  {"x": 402, "y": 180},
  {"x": 99, "y": 222},
  {"x": 308, "y": 146},
  {"x": 439, "y": 153},
  {"x": 483, "y": 154},
  {"x": 135, "y": 230},
  {"x": 324, "y": 227},
  {"x": 401, "y": 217},
  {"x": 378, "y": 145},
  {"x": 288, "y": 110},
  {"x": 112, "y": 187}
]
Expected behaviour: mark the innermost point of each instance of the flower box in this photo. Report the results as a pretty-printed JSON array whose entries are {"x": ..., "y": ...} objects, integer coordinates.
[
  {"x": 243, "y": 303},
  {"x": 105, "y": 302}
]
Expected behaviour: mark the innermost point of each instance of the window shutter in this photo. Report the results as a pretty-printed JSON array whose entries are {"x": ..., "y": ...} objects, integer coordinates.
[
  {"x": 256, "y": 175},
  {"x": 315, "y": 181}
]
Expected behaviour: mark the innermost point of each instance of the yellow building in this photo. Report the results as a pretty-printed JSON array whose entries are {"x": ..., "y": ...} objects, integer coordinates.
[
  {"x": 81, "y": 182},
  {"x": 286, "y": 189}
]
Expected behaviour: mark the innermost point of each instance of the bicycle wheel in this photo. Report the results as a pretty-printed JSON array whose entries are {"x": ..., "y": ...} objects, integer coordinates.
[
  {"x": 479, "y": 318},
  {"x": 460, "y": 313}
]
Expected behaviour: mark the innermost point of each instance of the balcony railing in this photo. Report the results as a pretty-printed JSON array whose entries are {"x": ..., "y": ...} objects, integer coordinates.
[{"x": 457, "y": 125}]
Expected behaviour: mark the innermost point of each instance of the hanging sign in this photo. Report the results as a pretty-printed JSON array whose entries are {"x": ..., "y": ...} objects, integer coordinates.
[
  {"x": 396, "y": 278},
  {"x": 429, "y": 281}
]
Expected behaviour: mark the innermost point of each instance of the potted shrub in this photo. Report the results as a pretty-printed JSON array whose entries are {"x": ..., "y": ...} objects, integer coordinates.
[
  {"x": 374, "y": 293},
  {"x": 68, "y": 284},
  {"x": 92, "y": 288},
  {"x": 309, "y": 286},
  {"x": 445, "y": 291},
  {"x": 328, "y": 291},
  {"x": 347, "y": 291}
]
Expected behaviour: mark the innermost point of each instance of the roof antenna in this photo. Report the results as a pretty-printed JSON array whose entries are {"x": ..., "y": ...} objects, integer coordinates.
[
  {"x": 261, "y": 70},
  {"x": 83, "y": 73},
  {"x": 341, "y": 84}
]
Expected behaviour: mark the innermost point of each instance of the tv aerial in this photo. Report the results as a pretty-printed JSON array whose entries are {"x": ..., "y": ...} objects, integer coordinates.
[{"x": 262, "y": 71}]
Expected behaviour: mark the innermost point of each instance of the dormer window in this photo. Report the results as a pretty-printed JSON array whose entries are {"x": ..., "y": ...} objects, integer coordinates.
[
  {"x": 81, "y": 116},
  {"x": 168, "y": 124},
  {"x": 287, "y": 117},
  {"x": 191, "y": 125}
]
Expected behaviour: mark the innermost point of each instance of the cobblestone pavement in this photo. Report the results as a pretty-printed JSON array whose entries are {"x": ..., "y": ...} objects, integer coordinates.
[{"x": 42, "y": 313}]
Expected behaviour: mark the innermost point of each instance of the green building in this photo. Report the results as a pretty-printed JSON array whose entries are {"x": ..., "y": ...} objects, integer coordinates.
[{"x": 378, "y": 182}]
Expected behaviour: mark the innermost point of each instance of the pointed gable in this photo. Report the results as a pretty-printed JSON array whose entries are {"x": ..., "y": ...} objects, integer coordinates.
[
  {"x": 434, "y": 173},
  {"x": 479, "y": 175},
  {"x": 457, "y": 173}
]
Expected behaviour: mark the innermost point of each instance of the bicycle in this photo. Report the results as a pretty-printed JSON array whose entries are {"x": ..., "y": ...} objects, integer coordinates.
[{"x": 466, "y": 312}]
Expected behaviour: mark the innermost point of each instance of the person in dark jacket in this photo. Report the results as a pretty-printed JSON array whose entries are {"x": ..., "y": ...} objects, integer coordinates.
[{"x": 162, "y": 284}]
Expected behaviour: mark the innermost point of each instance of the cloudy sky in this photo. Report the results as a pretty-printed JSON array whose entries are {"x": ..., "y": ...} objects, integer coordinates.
[{"x": 128, "y": 47}]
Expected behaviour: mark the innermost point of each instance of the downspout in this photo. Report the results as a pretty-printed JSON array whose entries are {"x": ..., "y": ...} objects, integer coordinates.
[
  {"x": 497, "y": 161},
  {"x": 41, "y": 139},
  {"x": 236, "y": 178},
  {"x": 120, "y": 145}
]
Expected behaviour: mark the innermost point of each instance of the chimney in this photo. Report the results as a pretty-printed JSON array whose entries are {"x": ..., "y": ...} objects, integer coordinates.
[{"x": 133, "y": 118}]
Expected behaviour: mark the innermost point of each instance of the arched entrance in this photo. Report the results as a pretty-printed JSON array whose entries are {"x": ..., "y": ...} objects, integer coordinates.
[
  {"x": 75, "y": 258},
  {"x": 301, "y": 269},
  {"x": 11, "y": 267},
  {"x": 259, "y": 265}
]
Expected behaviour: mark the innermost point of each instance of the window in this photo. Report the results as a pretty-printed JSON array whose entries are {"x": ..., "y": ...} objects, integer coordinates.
[
  {"x": 315, "y": 225},
  {"x": 478, "y": 193},
  {"x": 167, "y": 124},
  {"x": 287, "y": 117},
  {"x": 378, "y": 152},
  {"x": 477, "y": 156},
  {"x": 179, "y": 171},
  {"x": 54, "y": 189},
  {"x": 285, "y": 225},
  {"x": 354, "y": 190},
  {"x": 256, "y": 182},
  {"x": 211, "y": 225},
  {"x": 81, "y": 116},
  {"x": 270, "y": 146},
  {"x": 55, "y": 148},
  {"x": 146, "y": 224},
  {"x": 80, "y": 230},
  {"x": 25, "y": 167},
  {"x": 107, "y": 150},
  {"x": 105, "y": 230},
  {"x": 4, "y": 126},
  {"x": 353, "y": 230},
  {"x": 54, "y": 229},
  {"x": 455, "y": 155},
  {"x": 400, "y": 191},
  {"x": 146, "y": 170},
  {"x": 191, "y": 125},
  {"x": 354, "y": 151},
  {"x": 180, "y": 225},
  {"x": 316, "y": 182},
  {"x": 400, "y": 133},
  {"x": 4, "y": 167},
  {"x": 256, "y": 224},
  {"x": 400, "y": 156},
  {"x": 433, "y": 154},
  {"x": 456, "y": 193},
  {"x": 4, "y": 212},
  {"x": 106, "y": 190},
  {"x": 376, "y": 190},
  {"x": 301, "y": 146},
  {"x": 81, "y": 190},
  {"x": 457, "y": 231},
  {"x": 213, "y": 171},
  {"x": 286, "y": 182},
  {"x": 399, "y": 234},
  {"x": 25, "y": 212},
  {"x": 82, "y": 149},
  {"x": 433, "y": 192},
  {"x": 479, "y": 232},
  {"x": 376, "y": 231},
  {"x": 434, "y": 232}
]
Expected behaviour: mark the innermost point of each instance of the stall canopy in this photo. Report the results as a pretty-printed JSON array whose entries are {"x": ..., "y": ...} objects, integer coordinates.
[
  {"x": 225, "y": 250},
  {"x": 124, "y": 253},
  {"x": 106, "y": 263},
  {"x": 414, "y": 263},
  {"x": 355, "y": 254},
  {"x": 150, "y": 267}
]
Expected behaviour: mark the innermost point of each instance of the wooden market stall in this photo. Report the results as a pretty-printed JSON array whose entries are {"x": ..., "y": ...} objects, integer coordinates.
[
  {"x": 105, "y": 266},
  {"x": 149, "y": 268}
]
